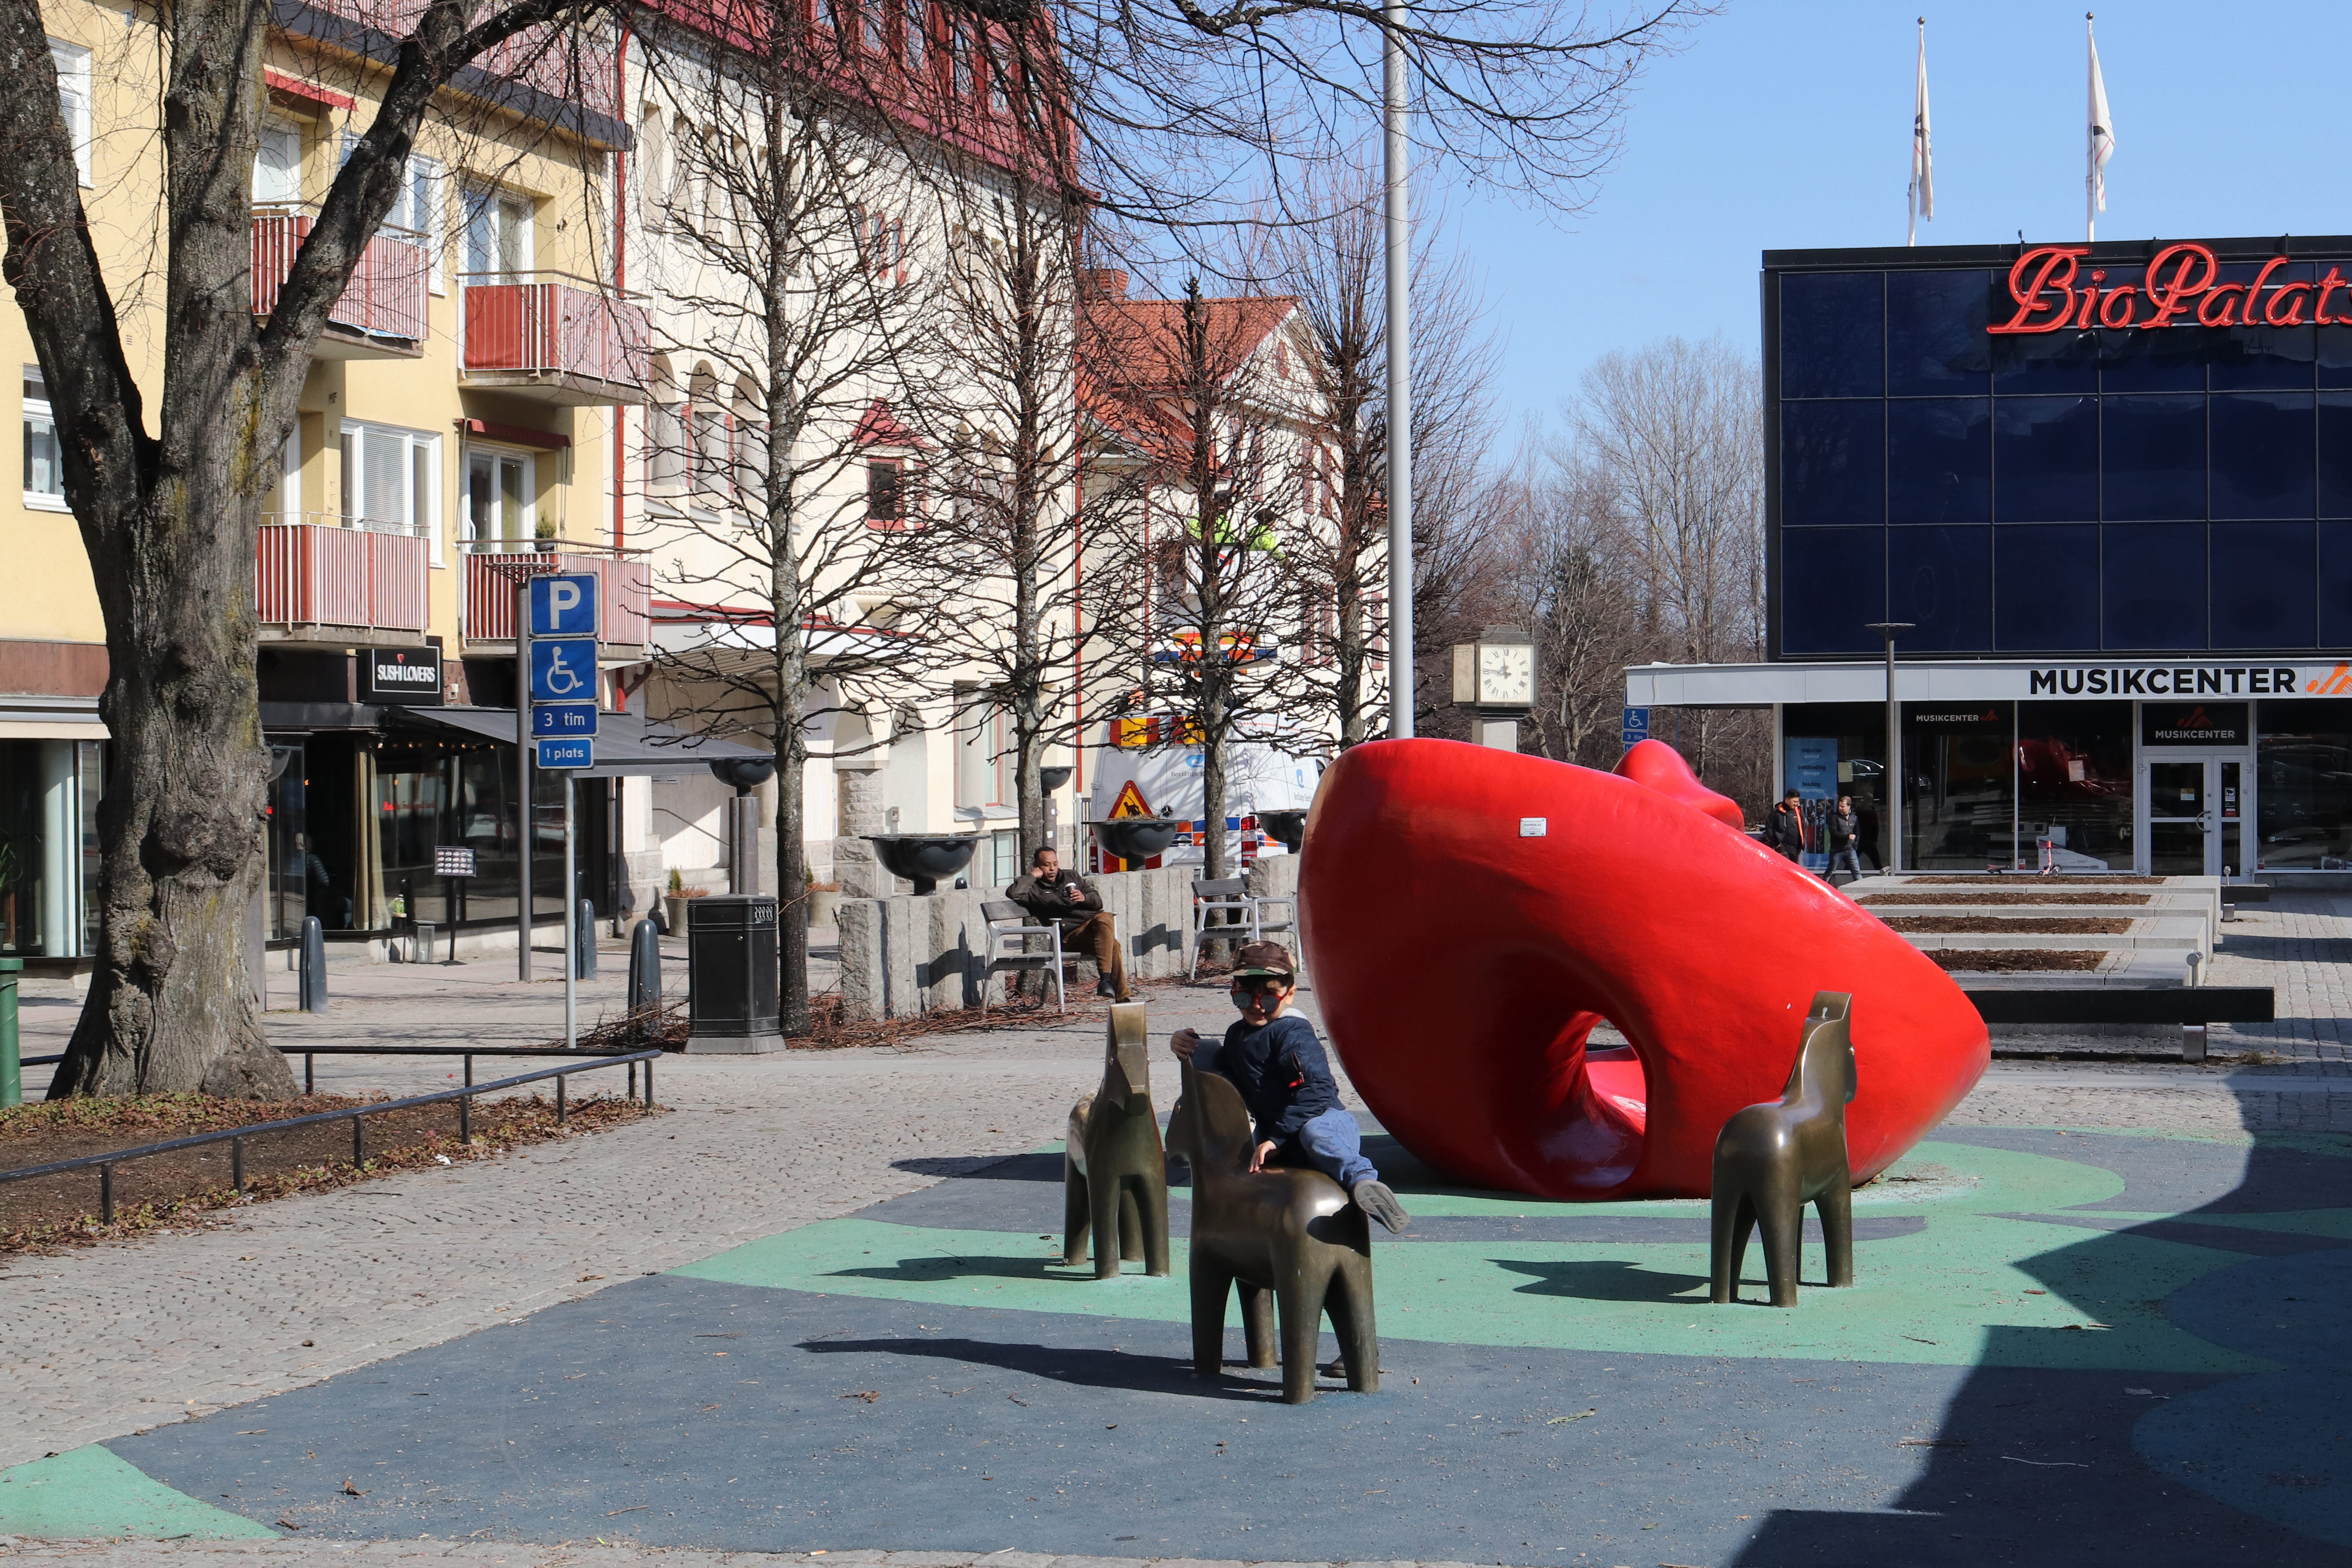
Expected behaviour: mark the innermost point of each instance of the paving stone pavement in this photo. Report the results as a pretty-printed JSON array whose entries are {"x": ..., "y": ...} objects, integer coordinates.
[
  {"x": 478, "y": 1554},
  {"x": 106, "y": 1341}
]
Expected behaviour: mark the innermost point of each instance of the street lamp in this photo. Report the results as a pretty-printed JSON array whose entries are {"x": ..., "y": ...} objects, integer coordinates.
[
  {"x": 1894, "y": 775},
  {"x": 1399, "y": 236}
]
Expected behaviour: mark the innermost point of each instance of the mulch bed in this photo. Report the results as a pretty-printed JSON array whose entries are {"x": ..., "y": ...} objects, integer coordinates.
[
  {"x": 2034, "y": 900},
  {"x": 194, "y": 1186},
  {"x": 1951, "y": 925},
  {"x": 2031, "y": 880},
  {"x": 2012, "y": 960}
]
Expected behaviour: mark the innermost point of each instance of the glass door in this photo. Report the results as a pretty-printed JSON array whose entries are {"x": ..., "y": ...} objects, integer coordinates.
[{"x": 2197, "y": 813}]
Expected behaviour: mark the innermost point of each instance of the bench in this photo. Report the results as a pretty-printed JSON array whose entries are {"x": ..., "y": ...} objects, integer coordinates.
[{"x": 2192, "y": 1007}]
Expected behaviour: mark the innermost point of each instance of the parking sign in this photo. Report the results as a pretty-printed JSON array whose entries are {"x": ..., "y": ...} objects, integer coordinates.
[
  {"x": 579, "y": 752},
  {"x": 564, "y": 605},
  {"x": 563, "y": 671}
]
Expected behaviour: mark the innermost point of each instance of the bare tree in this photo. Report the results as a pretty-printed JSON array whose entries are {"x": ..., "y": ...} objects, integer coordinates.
[
  {"x": 1673, "y": 432},
  {"x": 170, "y": 517},
  {"x": 1011, "y": 516},
  {"x": 794, "y": 304},
  {"x": 1335, "y": 269},
  {"x": 1201, "y": 592}
]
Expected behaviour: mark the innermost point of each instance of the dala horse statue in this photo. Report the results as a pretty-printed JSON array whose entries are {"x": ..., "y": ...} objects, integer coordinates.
[
  {"x": 1773, "y": 1159},
  {"x": 1114, "y": 1171},
  {"x": 1282, "y": 1238}
]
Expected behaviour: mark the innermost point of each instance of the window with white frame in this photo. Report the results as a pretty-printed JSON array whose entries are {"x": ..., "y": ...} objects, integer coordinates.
[
  {"x": 653, "y": 165},
  {"x": 915, "y": 39},
  {"x": 498, "y": 497},
  {"x": 985, "y": 762},
  {"x": 278, "y": 164},
  {"x": 73, "y": 99},
  {"x": 391, "y": 479},
  {"x": 45, "y": 468},
  {"x": 417, "y": 208},
  {"x": 498, "y": 232},
  {"x": 287, "y": 503}
]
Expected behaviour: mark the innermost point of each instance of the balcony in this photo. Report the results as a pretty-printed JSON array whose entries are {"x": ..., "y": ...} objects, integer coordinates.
[
  {"x": 317, "y": 579},
  {"x": 555, "y": 339},
  {"x": 623, "y": 600},
  {"x": 381, "y": 315}
]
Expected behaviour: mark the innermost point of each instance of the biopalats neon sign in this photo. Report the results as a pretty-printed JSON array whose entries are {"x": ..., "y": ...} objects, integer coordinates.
[{"x": 2179, "y": 289}]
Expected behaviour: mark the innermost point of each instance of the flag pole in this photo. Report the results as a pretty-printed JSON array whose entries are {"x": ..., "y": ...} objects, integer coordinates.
[
  {"x": 2091, "y": 133},
  {"x": 1922, "y": 188}
]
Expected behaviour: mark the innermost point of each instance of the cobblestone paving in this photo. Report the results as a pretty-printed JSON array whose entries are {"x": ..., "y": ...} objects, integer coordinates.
[{"x": 475, "y": 1554}]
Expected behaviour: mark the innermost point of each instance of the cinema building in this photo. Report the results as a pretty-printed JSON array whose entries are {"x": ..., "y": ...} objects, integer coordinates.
[{"x": 2104, "y": 493}]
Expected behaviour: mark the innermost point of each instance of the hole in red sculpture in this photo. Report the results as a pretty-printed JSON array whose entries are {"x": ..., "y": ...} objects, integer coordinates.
[{"x": 1616, "y": 1075}]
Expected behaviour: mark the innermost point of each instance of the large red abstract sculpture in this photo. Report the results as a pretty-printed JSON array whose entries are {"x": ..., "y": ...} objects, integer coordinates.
[{"x": 1470, "y": 914}]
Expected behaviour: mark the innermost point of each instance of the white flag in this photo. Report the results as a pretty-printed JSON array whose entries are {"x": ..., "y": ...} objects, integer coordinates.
[
  {"x": 2102, "y": 134},
  {"x": 1923, "y": 168}
]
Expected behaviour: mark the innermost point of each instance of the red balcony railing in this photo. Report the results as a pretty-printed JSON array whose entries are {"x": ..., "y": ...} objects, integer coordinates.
[
  {"x": 386, "y": 297},
  {"x": 327, "y": 574},
  {"x": 519, "y": 325},
  {"x": 623, "y": 600}
]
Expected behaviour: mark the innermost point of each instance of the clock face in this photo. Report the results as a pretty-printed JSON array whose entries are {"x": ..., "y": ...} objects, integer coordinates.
[{"x": 1506, "y": 674}]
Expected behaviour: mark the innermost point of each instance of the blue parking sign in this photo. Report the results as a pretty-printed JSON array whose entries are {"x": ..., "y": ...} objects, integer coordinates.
[
  {"x": 564, "y": 605},
  {"x": 579, "y": 752},
  {"x": 563, "y": 670}
]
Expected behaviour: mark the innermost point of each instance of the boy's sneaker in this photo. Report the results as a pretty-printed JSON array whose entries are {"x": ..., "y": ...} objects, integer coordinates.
[{"x": 1375, "y": 1199}]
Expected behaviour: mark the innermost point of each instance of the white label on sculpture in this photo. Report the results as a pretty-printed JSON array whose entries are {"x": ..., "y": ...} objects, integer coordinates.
[{"x": 1533, "y": 826}]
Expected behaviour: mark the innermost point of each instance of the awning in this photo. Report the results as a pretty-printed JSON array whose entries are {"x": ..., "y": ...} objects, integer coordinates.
[
  {"x": 31, "y": 718},
  {"x": 628, "y": 745}
]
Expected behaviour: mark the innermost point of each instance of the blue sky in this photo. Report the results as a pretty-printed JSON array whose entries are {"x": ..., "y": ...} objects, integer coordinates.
[{"x": 1786, "y": 124}]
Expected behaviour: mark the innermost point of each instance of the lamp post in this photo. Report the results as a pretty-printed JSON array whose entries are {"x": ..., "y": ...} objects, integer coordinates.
[
  {"x": 1398, "y": 234},
  {"x": 1894, "y": 775}
]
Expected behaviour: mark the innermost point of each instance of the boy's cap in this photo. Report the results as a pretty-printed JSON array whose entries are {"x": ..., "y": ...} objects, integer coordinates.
[{"x": 1264, "y": 958}]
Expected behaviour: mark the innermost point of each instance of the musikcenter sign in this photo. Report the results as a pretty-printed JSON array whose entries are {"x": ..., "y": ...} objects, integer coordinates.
[{"x": 2181, "y": 287}]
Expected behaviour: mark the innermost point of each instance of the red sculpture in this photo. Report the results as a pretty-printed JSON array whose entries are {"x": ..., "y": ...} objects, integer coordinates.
[
  {"x": 1470, "y": 914},
  {"x": 1660, "y": 768}
]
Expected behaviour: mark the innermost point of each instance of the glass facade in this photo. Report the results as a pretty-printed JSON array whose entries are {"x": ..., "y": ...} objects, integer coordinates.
[
  {"x": 49, "y": 792},
  {"x": 2093, "y": 490},
  {"x": 1832, "y": 748},
  {"x": 2303, "y": 800}
]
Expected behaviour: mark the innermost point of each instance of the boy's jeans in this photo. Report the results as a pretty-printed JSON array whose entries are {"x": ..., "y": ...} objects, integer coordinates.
[
  {"x": 1333, "y": 1144},
  {"x": 1851, "y": 854}
]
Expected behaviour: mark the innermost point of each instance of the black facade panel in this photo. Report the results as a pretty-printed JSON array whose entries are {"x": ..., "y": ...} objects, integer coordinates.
[{"x": 2104, "y": 486}]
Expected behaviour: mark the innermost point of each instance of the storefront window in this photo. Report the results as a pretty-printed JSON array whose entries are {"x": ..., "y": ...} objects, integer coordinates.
[
  {"x": 1959, "y": 799},
  {"x": 2303, "y": 803},
  {"x": 48, "y": 873},
  {"x": 1832, "y": 748},
  {"x": 2074, "y": 783}
]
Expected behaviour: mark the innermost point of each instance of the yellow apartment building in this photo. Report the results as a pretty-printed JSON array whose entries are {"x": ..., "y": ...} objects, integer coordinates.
[{"x": 458, "y": 430}]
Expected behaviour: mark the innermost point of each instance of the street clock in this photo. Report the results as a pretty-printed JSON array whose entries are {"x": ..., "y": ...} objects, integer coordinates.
[{"x": 1497, "y": 674}]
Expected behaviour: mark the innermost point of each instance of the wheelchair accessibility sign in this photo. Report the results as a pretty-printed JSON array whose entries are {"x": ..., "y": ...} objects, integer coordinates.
[{"x": 563, "y": 670}]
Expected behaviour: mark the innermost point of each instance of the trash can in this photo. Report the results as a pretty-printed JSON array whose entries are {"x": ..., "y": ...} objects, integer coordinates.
[{"x": 731, "y": 974}]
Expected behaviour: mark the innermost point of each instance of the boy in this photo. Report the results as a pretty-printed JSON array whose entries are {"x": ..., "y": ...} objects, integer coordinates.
[{"x": 1273, "y": 1057}]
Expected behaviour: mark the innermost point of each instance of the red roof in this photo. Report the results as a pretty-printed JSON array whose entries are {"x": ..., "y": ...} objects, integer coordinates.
[{"x": 1131, "y": 362}]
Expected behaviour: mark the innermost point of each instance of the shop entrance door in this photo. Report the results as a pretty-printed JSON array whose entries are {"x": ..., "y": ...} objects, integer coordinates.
[{"x": 2195, "y": 812}]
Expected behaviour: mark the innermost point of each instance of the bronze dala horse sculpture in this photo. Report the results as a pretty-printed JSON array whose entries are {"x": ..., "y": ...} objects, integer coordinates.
[
  {"x": 1114, "y": 1171},
  {"x": 1283, "y": 1238},
  {"x": 1773, "y": 1159}
]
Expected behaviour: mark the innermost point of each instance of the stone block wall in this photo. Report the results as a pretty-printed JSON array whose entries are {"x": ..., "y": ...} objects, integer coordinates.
[{"x": 909, "y": 954}]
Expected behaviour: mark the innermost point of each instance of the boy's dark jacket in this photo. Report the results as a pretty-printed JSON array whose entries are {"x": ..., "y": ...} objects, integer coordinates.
[{"x": 1284, "y": 1075}]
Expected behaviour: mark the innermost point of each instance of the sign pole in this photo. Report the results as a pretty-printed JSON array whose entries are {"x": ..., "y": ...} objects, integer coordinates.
[
  {"x": 522, "y": 770},
  {"x": 1893, "y": 816},
  {"x": 570, "y": 919}
]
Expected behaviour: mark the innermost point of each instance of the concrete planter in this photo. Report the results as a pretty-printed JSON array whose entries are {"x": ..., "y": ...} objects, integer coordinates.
[{"x": 824, "y": 906}]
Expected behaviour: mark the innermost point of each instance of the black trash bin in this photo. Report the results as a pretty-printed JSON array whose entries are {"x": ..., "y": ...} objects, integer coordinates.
[{"x": 731, "y": 974}]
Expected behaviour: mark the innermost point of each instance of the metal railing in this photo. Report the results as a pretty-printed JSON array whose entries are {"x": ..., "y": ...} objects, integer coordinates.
[
  {"x": 624, "y": 588},
  {"x": 329, "y": 574},
  {"x": 541, "y": 323},
  {"x": 356, "y": 1115},
  {"x": 385, "y": 296}
]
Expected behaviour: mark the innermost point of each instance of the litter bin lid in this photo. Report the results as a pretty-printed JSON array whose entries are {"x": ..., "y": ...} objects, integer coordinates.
[{"x": 731, "y": 910}]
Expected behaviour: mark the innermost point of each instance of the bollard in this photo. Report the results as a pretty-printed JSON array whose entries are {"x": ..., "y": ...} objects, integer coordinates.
[
  {"x": 314, "y": 987},
  {"x": 420, "y": 946},
  {"x": 12, "y": 1062},
  {"x": 584, "y": 941},
  {"x": 645, "y": 976}
]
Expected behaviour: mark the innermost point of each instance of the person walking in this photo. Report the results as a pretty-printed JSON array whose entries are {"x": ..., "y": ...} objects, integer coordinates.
[
  {"x": 1845, "y": 837},
  {"x": 1784, "y": 827}
]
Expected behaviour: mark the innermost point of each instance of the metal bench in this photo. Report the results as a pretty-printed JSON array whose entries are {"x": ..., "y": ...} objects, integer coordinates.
[
  {"x": 2192, "y": 1007},
  {"x": 2236, "y": 894},
  {"x": 1008, "y": 922}
]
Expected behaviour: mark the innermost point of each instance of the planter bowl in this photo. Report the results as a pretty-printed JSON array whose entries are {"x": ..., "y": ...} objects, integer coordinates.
[
  {"x": 1134, "y": 838},
  {"x": 923, "y": 859},
  {"x": 1287, "y": 829}
]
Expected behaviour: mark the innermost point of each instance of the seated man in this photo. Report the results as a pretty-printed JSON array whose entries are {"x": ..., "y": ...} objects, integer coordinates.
[
  {"x": 1053, "y": 895},
  {"x": 1273, "y": 1057}
]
